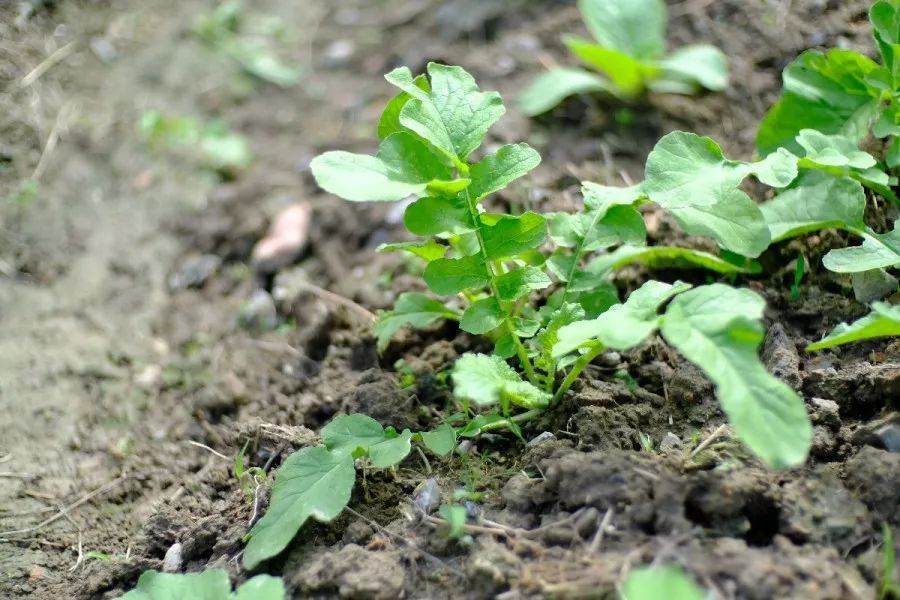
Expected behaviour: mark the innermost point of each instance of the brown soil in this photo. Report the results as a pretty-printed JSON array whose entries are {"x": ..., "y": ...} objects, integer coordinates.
[{"x": 108, "y": 374}]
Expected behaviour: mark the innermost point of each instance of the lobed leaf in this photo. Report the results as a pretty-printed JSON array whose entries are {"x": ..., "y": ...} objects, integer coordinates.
[
  {"x": 510, "y": 236},
  {"x": 833, "y": 150},
  {"x": 486, "y": 379},
  {"x": 883, "y": 321},
  {"x": 520, "y": 282},
  {"x": 447, "y": 276},
  {"x": 496, "y": 171},
  {"x": 818, "y": 201},
  {"x": 878, "y": 251},
  {"x": 411, "y": 308},
  {"x": 482, "y": 316},
  {"x": 312, "y": 482},
  {"x": 718, "y": 328}
]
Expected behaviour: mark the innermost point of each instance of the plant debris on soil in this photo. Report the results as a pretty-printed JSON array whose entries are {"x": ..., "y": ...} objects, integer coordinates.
[{"x": 159, "y": 315}]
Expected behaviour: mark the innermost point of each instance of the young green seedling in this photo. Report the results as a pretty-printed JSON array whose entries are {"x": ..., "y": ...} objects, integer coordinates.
[
  {"x": 630, "y": 55},
  {"x": 208, "y": 585}
]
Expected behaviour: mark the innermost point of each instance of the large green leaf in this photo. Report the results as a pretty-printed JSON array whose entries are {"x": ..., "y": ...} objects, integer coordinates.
[
  {"x": 312, "y": 482},
  {"x": 635, "y": 27},
  {"x": 718, "y": 328},
  {"x": 878, "y": 251},
  {"x": 486, "y": 379},
  {"x": 495, "y": 171},
  {"x": 208, "y": 585},
  {"x": 818, "y": 201},
  {"x": 411, "y": 308},
  {"x": 689, "y": 176},
  {"x": 454, "y": 115},
  {"x": 623, "y": 326},
  {"x": 436, "y": 216},
  {"x": 883, "y": 321},
  {"x": 827, "y": 92},
  {"x": 552, "y": 87},
  {"x": 482, "y": 316},
  {"x": 656, "y": 583}
]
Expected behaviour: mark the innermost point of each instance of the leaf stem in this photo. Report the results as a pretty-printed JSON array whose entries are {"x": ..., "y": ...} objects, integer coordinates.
[
  {"x": 521, "y": 352},
  {"x": 576, "y": 254},
  {"x": 519, "y": 418},
  {"x": 577, "y": 368}
]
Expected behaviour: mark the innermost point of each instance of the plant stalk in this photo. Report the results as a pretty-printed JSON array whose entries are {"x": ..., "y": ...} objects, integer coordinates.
[{"x": 577, "y": 368}]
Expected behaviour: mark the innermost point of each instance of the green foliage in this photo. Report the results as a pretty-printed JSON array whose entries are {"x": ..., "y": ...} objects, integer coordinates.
[
  {"x": 890, "y": 587},
  {"x": 651, "y": 583},
  {"x": 221, "y": 30},
  {"x": 215, "y": 146},
  {"x": 455, "y": 515},
  {"x": 629, "y": 52},
  {"x": 208, "y": 585},
  {"x": 883, "y": 321},
  {"x": 487, "y": 380}
]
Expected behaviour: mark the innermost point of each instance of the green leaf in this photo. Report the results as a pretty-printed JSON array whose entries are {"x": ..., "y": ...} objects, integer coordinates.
[
  {"x": 390, "y": 117},
  {"x": 697, "y": 66},
  {"x": 482, "y": 316},
  {"x": 718, "y": 328},
  {"x": 441, "y": 441},
  {"x": 312, "y": 482},
  {"x": 597, "y": 229},
  {"x": 623, "y": 326},
  {"x": 654, "y": 583},
  {"x": 510, "y": 236},
  {"x": 454, "y": 115},
  {"x": 827, "y": 92},
  {"x": 359, "y": 435},
  {"x": 661, "y": 257},
  {"x": 447, "y": 276},
  {"x": 495, "y": 171},
  {"x": 520, "y": 282},
  {"x": 428, "y": 250},
  {"x": 261, "y": 587},
  {"x": 833, "y": 150},
  {"x": 486, "y": 379},
  {"x": 411, "y": 308},
  {"x": 689, "y": 176},
  {"x": 208, "y": 585},
  {"x": 455, "y": 515},
  {"x": 550, "y": 88},
  {"x": 883, "y": 321},
  {"x": 885, "y": 18},
  {"x": 626, "y": 73},
  {"x": 635, "y": 27},
  {"x": 548, "y": 337},
  {"x": 436, "y": 216},
  {"x": 878, "y": 251},
  {"x": 818, "y": 201}
]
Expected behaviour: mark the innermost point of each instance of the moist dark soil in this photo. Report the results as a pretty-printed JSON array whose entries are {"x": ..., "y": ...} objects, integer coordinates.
[{"x": 127, "y": 384}]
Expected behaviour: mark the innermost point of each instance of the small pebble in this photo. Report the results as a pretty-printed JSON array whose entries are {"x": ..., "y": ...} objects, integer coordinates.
[
  {"x": 669, "y": 442},
  {"x": 259, "y": 312},
  {"x": 194, "y": 271},
  {"x": 541, "y": 438},
  {"x": 429, "y": 497},
  {"x": 172, "y": 560}
]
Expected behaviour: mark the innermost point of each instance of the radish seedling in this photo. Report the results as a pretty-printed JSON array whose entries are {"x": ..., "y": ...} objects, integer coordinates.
[
  {"x": 208, "y": 585},
  {"x": 630, "y": 54}
]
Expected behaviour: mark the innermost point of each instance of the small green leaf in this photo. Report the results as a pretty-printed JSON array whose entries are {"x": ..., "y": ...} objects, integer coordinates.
[
  {"x": 883, "y": 321},
  {"x": 718, "y": 328},
  {"x": 428, "y": 250},
  {"x": 360, "y": 435},
  {"x": 447, "y": 276},
  {"x": 635, "y": 27},
  {"x": 362, "y": 178},
  {"x": 826, "y": 92},
  {"x": 655, "y": 583},
  {"x": 623, "y": 326},
  {"x": 659, "y": 257},
  {"x": 455, "y": 515},
  {"x": 511, "y": 236},
  {"x": 625, "y": 72},
  {"x": 261, "y": 587},
  {"x": 697, "y": 66},
  {"x": 441, "y": 441},
  {"x": 818, "y": 201},
  {"x": 411, "y": 308},
  {"x": 885, "y": 18},
  {"x": 878, "y": 251},
  {"x": 312, "y": 482},
  {"x": 486, "y": 380},
  {"x": 207, "y": 585},
  {"x": 390, "y": 117},
  {"x": 548, "y": 337},
  {"x": 496, "y": 171},
  {"x": 436, "y": 216},
  {"x": 550, "y": 88},
  {"x": 391, "y": 451},
  {"x": 833, "y": 150},
  {"x": 482, "y": 316},
  {"x": 595, "y": 230},
  {"x": 520, "y": 282}
]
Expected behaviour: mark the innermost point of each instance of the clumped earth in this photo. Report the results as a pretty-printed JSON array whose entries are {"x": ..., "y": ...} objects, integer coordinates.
[{"x": 124, "y": 276}]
